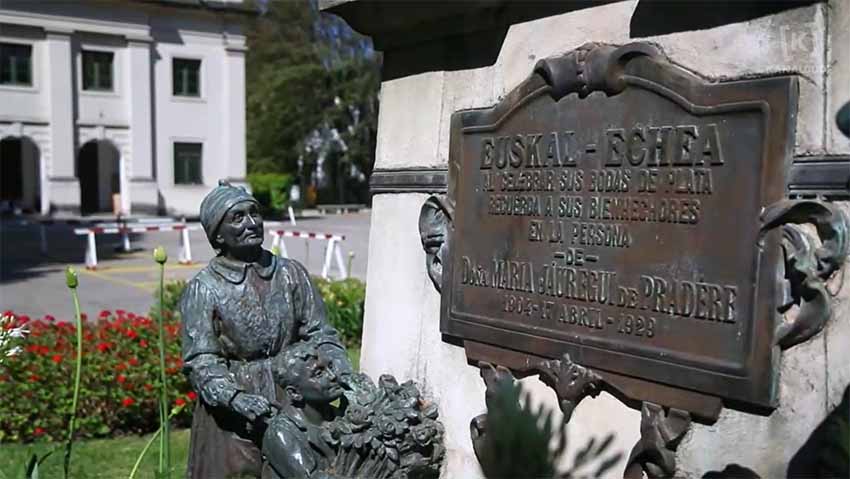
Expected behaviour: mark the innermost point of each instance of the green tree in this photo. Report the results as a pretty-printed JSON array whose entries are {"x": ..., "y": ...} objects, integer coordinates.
[
  {"x": 281, "y": 68},
  {"x": 308, "y": 73}
]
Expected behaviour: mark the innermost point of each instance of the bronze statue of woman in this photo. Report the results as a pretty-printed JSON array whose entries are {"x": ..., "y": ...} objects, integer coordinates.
[{"x": 237, "y": 313}]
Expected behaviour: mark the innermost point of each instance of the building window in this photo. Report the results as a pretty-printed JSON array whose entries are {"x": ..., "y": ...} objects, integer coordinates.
[
  {"x": 186, "y": 77},
  {"x": 97, "y": 71},
  {"x": 15, "y": 64},
  {"x": 187, "y": 163}
]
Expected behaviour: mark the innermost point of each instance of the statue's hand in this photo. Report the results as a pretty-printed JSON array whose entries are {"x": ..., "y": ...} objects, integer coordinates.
[{"x": 251, "y": 406}]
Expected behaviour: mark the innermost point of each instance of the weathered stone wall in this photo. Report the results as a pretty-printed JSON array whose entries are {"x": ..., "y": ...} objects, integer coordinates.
[{"x": 401, "y": 333}]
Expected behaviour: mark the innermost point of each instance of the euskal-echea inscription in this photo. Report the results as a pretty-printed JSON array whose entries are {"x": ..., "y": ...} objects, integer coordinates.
[
  {"x": 660, "y": 176},
  {"x": 611, "y": 211}
]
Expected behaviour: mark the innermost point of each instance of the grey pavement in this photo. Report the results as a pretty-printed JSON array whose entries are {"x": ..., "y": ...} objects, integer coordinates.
[{"x": 34, "y": 284}]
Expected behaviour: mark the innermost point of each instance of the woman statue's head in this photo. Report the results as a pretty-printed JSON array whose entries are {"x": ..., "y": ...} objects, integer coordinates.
[{"x": 231, "y": 219}]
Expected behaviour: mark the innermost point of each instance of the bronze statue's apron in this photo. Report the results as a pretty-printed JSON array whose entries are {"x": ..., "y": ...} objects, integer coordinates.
[{"x": 223, "y": 445}]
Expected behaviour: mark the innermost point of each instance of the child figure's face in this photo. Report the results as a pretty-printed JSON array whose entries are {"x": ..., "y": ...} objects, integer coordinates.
[{"x": 314, "y": 380}]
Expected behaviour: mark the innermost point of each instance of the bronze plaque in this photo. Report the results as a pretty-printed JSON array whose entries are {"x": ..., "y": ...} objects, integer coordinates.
[{"x": 608, "y": 207}]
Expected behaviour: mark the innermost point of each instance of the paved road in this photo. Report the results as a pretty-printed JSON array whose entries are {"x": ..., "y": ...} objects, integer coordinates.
[{"x": 34, "y": 284}]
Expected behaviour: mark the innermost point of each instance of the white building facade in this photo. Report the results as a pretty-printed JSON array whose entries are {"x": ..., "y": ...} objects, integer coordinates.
[{"x": 129, "y": 106}]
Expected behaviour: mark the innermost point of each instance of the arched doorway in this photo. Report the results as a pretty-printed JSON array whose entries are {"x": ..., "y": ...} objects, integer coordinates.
[
  {"x": 20, "y": 174},
  {"x": 99, "y": 172}
]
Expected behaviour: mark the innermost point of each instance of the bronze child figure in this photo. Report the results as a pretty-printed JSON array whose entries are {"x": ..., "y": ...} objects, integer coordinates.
[
  {"x": 378, "y": 431},
  {"x": 240, "y": 311},
  {"x": 294, "y": 443}
]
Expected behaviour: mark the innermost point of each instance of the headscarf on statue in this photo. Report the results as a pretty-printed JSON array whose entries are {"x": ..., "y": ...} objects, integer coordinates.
[{"x": 217, "y": 202}]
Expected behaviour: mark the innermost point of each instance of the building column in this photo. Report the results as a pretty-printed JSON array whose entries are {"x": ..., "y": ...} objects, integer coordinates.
[
  {"x": 140, "y": 194},
  {"x": 63, "y": 191},
  {"x": 234, "y": 107}
]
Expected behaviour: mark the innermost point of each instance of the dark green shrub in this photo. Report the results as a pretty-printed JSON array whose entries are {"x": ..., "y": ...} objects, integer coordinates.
[
  {"x": 271, "y": 189},
  {"x": 344, "y": 300},
  {"x": 173, "y": 291}
]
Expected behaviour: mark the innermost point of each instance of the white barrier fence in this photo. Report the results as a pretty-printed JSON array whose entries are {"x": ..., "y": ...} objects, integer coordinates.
[
  {"x": 332, "y": 250},
  {"x": 185, "y": 256},
  {"x": 120, "y": 223}
]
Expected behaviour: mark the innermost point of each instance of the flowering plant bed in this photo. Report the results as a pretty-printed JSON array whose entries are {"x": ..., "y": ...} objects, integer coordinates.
[
  {"x": 120, "y": 369},
  {"x": 119, "y": 381}
]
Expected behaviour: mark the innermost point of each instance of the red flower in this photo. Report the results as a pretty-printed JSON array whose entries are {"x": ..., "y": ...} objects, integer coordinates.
[
  {"x": 103, "y": 347},
  {"x": 84, "y": 316},
  {"x": 191, "y": 395},
  {"x": 172, "y": 329},
  {"x": 32, "y": 348},
  {"x": 131, "y": 334},
  {"x": 57, "y": 358},
  {"x": 134, "y": 361},
  {"x": 179, "y": 402},
  {"x": 48, "y": 317},
  {"x": 34, "y": 378},
  {"x": 143, "y": 343},
  {"x": 43, "y": 350},
  {"x": 105, "y": 314},
  {"x": 127, "y": 402},
  {"x": 120, "y": 312},
  {"x": 121, "y": 367},
  {"x": 38, "y": 431},
  {"x": 122, "y": 378},
  {"x": 148, "y": 386}
]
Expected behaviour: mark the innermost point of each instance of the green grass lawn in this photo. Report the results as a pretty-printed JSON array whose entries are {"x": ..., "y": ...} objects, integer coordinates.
[
  {"x": 96, "y": 459},
  {"x": 105, "y": 458}
]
